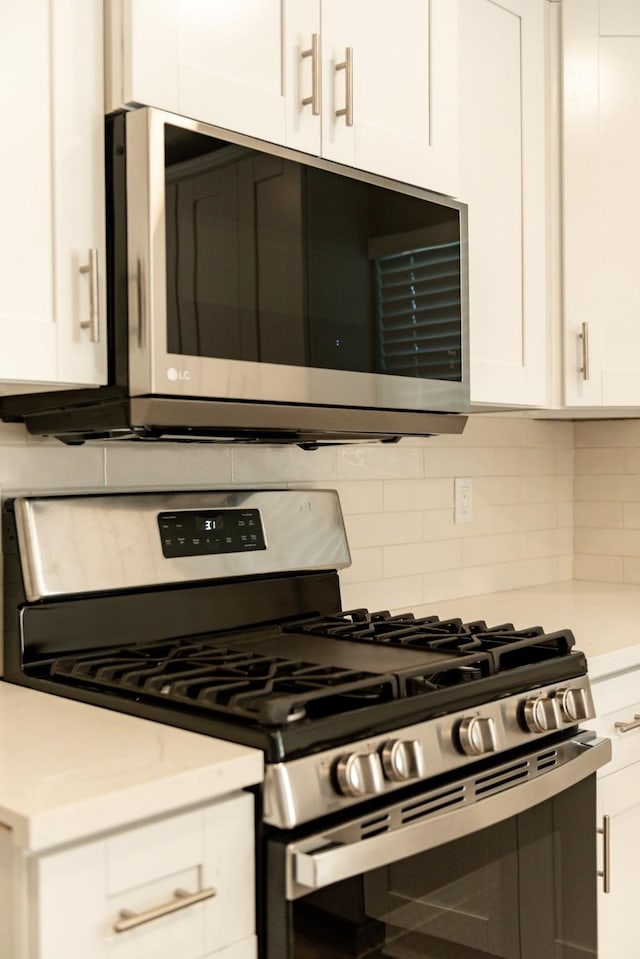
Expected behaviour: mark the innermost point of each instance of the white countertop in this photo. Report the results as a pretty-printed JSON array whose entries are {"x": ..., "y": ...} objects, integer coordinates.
[
  {"x": 70, "y": 770},
  {"x": 604, "y": 617}
]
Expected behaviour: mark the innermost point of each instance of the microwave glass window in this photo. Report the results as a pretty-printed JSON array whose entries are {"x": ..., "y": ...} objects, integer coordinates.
[{"x": 273, "y": 261}]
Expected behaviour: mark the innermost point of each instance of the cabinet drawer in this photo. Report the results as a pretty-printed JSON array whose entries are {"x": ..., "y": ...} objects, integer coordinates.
[{"x": 208, "y": 850}]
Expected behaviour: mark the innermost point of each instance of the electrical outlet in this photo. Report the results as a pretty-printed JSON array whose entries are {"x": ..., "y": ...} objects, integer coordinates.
[{"x": 462, "y": 499}]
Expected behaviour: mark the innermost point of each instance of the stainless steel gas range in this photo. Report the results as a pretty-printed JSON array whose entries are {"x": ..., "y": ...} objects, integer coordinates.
[{"x": 428, "y": 789}]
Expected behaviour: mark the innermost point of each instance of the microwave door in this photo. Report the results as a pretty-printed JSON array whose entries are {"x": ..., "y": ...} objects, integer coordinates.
[{"x": 256, "y": 277}]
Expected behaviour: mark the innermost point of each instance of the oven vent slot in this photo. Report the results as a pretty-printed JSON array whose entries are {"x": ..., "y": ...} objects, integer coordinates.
[
  {"x": 505, "y": 777},
  {"x": 547, "y": 760},
  {"x": 375, "y": 826},
  {"x": 442, "y": 800}
]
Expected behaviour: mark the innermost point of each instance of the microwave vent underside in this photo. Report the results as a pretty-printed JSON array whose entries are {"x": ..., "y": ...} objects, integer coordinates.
[{"x": 100, "y": 416}]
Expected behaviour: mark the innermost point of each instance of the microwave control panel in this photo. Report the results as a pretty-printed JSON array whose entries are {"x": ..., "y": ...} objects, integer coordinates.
[{"x": 210, "y": 531}]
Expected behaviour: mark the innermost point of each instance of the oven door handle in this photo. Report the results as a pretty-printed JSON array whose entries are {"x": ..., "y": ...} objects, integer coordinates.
[{"x": 325, "y": 858}]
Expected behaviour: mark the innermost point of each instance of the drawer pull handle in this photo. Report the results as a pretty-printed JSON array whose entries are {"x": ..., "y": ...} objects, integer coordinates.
[
  {"x": 181, "y": 899},
  {"x": 627, "y": 727},
  {"x": 605, "y": 873}
]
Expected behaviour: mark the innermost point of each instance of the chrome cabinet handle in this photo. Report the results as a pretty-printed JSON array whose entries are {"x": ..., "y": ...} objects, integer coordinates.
[
  {"x": 313, "y": 52},
  {"x": 181, "y": 899},
  {"x": 584, "y": 336},
  {"x": 347, "y": 66},
  {"x": 627, "y": 727},
  {"x": 93, "y": 323},
  {"x": 605, "y": 872}
]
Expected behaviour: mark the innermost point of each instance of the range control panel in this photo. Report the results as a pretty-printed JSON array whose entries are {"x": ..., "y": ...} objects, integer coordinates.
[{"x": 210, "y": 531}]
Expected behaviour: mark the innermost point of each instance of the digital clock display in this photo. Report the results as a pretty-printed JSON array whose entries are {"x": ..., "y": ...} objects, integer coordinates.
[
  {"x": 209, "y": 524},
  {"x": 210, "y": 532}
]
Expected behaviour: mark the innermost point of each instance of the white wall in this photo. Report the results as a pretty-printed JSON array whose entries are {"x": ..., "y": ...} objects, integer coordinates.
[{"x": 397, "y": 500}]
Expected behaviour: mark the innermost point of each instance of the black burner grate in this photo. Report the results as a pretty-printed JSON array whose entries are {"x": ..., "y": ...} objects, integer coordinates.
[
  {"x": 243, "y": 678},
  {"x": 268, "y": 690}
]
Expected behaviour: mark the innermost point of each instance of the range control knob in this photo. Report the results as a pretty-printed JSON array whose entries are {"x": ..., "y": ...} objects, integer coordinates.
[
  {"x": 402, "y": 759},
  {"x": 540, "y": 714},
  {"x": 477, "y": 735},
  {"x": 358, "y": 774},
  {"x": 574, "y": 704}
]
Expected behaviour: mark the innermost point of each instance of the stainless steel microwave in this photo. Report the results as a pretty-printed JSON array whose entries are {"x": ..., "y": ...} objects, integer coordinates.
[{"x": 259, "y": 293}]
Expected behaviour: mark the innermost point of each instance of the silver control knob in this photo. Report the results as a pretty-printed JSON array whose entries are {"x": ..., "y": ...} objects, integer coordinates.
[
  {"x": 477, "y": 735},
  {"x": 402, "y": 759},
  {"x": 358, "y": 774},
  {"x": 574, "y": 704},
  {"x": 540, "y": 715}
]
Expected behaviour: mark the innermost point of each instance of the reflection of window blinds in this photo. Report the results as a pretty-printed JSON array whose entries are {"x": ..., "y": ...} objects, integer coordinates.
[{"x": 418, "y": 296}]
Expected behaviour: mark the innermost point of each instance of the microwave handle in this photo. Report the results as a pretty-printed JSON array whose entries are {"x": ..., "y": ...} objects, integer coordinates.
[{"x": 309, "y": 869}]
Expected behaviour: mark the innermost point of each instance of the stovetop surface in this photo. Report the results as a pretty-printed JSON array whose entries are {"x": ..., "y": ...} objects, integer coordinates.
[{"x": 318, "y": 669}]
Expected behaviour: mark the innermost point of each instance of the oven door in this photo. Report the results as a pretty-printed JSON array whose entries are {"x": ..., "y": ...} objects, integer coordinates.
[{"x": 499, "y": 864}]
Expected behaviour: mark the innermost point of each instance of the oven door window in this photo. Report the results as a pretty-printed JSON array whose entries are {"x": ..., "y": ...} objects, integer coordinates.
[{"x": 524, "y": 888}]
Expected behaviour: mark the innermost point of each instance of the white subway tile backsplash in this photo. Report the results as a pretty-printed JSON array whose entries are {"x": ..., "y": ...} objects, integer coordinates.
[
  {"x": 382, "y": 461},
  {"x": 50, "y": 467},
  {"x": 402, "y": 494},
  {"x": 468, "y": 461},
  {"x": 403, "y": 593},
  {"x": 587, "y": 514},
  {"x": 264, "y": 465},
  {"x": 599, "y": 461},
  {"x": 501, "y": 548},
  {"x": 380, "y": 529},
  {"x": 163, "y": 465},
  {"x": 605, "y": 569},
  {"x": 421, "y": 557}
]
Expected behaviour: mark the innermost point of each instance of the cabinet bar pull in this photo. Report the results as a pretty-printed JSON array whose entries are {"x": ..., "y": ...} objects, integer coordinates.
[
  {"x": 93, "y": 323},
  {"x": 605, "y": 832},
  {"x": 584, "y": 336},
  {"x": 627, "y": 727},
  {"x": 181, "y": 899},
  {"x": 312, "y": 52},
  {"x": 347, "y": 66}
]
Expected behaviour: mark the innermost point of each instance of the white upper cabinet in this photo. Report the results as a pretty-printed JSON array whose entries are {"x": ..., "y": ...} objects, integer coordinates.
[
  {"x": 52, "y": 219},
  {"x": 502, "y": 178},
  {"x": 387, "y": 86},
  {"x": 213, "y": 60},
  {"x": 344, "y": 79},
  {"x": 601, "y": 63}
]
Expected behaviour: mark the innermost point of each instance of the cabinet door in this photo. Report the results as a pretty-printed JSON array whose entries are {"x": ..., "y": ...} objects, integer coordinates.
[
  {"x": 502, "y": 176},
  {"x": 601, "y": 62},
  {"x": 80, "y": 892},
  {"x": 26, "y": 200},
  {"x": 618, "y": 799},
  {"x": 212, "y": 60},
  {"x": 404, "y": 96},
  {"x": 52, "y": 204}
]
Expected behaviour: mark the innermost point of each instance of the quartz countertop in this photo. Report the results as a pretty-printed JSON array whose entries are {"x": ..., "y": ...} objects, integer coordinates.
[
  {"x": 604, "y": 617},
  {"x": 70, "y": 770}
]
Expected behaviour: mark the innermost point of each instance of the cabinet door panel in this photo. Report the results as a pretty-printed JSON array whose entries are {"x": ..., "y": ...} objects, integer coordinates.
[
  {"x": 78, "y": 178},
  {"x": 502, "y": 179},
  {"x": 602, "y": 200},
  {"x": 617, "y": 934},
  {"x": 404, "y": 89},
  {"x": 26, "y": 200},
  {"x": 212, "y": 60}
]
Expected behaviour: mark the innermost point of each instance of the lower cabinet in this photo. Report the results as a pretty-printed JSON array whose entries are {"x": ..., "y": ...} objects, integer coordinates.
[
  {"x": 178, "y": 886},
  {"x": 617, "y": 700}
]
